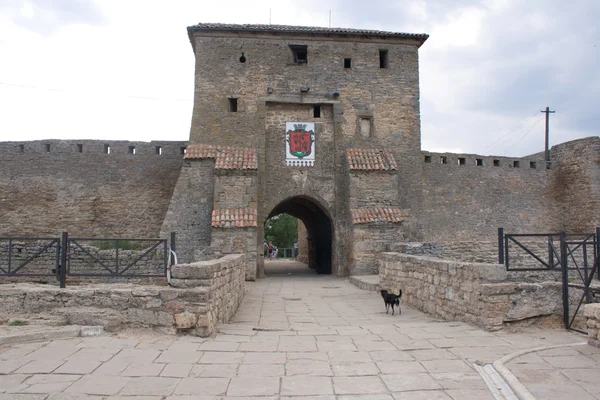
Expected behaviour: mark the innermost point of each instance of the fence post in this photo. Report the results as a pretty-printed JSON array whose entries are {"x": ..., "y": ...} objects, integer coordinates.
[
  {"x": 550, "y": 252},
  {"x": 597, "y": 248},
  {"x": 64, "y": 245},
  {"x": 501, "y": 246},
  {"x": 565, "y": 278},
  {"x": 171, "y": 257}
]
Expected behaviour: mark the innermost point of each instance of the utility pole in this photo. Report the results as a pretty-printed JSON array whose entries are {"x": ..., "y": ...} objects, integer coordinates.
[{"x": 546, "y": 149}]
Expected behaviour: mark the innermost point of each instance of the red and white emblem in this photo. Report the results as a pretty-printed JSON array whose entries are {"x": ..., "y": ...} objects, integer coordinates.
[{"x": 300, "y": 144}]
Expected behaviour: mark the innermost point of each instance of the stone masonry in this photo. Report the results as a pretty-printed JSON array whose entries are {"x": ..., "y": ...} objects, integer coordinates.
[
  {"x": 361, "y": 90},
  {"x": 592, "y": 314},
  {"x": 472, "y": 292},
  {"x": 202, "y": 295}
]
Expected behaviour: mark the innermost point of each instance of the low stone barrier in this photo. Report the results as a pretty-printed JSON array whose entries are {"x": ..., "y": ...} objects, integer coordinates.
[
  {"x": 592, "y": 315},
  {"x": 477, "y": 293},
  {"x": 202, "y": 295}
]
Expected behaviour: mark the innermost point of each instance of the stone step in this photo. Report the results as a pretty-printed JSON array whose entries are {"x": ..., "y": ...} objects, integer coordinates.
[{"x": 366, "y": 282}]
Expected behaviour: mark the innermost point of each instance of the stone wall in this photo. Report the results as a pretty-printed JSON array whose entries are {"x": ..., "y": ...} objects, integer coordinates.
[
  {"x": 373, "y": 189},
  {"x": 302, "y": 243},
  {"x": 208, "y": 293},
  {"x": 370, "y": 240},
  {"x": 472, "y": 292},
  {"x": 236, "y": 241},
  {"x": 224, "y": 279},
  {"x": 592, "y": 315},
  {"x": 190, "y": 209},
  {"x": 470, "y": 202},
  {"x": 79, "y": 186},
  {"x": 575, "y": 186}
]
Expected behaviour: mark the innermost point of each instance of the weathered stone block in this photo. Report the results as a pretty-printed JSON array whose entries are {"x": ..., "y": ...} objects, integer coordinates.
[{"x": 185, "y": 320}]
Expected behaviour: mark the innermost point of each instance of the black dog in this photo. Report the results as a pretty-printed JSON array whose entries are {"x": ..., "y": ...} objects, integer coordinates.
[{"x": 391, "y": 299}]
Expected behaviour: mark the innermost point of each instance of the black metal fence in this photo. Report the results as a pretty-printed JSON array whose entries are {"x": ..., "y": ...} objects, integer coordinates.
[
  {"x": 574, "y": 255},
  {"x": 85, "y": 257}
]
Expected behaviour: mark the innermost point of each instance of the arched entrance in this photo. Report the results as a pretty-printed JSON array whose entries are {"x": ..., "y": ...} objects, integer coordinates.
[{"x": 319, "y": 229}]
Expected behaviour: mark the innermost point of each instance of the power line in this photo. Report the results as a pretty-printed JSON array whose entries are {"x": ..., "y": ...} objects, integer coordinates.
[
  {"x": 526, "y": 132},
  {"x": 502, "y": 137}
]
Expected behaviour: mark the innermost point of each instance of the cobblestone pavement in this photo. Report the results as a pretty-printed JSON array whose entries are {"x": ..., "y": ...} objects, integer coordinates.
[{"x": 300, "y": 336}]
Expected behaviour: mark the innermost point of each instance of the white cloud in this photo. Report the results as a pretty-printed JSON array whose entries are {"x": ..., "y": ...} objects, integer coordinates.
[{"x": 125, "y": 69}]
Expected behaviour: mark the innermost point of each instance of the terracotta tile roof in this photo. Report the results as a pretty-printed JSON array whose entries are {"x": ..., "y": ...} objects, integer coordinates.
[
  {"x": 304, "y": 29},
  {"x": 371, "y": 159},
  {"x": 226, "y": 157},
  {"x": 234, "y": 218},
  {"x": 384, "y": 214}
]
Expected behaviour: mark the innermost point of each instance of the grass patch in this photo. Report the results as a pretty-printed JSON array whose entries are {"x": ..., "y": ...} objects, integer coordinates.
[{"x": 18, "y": 323}]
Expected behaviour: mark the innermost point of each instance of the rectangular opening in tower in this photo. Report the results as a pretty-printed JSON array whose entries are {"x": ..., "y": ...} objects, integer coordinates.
[
  {"x": 347, "y": 63},
  {"x": 384, "y": 59},
  {"x": 317, "y": 111},
  {"x": 233, "y": 104},
  {"x": 300, "y": 53}
]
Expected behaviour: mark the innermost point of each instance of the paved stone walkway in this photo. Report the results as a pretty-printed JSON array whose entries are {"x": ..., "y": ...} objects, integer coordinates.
[{"x": 300, "y": 336}]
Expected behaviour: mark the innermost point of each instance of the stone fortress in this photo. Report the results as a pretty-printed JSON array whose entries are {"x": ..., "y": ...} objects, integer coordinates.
[{"x": 369, "y": 187}]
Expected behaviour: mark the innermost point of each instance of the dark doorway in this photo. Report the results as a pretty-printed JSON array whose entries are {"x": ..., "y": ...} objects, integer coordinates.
[{"x": 318, "y": 227}]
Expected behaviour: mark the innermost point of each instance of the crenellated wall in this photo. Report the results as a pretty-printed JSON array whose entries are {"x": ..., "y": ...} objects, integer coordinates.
[{"x": 86, "y": 187}]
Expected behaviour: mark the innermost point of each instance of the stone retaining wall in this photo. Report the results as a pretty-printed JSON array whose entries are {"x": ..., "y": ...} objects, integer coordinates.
[
  {"x": 203, "y": 294},
  {"x": 487, "y": 252},
  {"x": 472, "y": 292},
  {"x": 592, "y": 314}
]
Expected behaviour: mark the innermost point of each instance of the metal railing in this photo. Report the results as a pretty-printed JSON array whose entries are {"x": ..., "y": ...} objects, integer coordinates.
[
  {"x": 576, "y": 257},
  {"x": 86, "y": 257},
  {"x": 22, "y": 256}
]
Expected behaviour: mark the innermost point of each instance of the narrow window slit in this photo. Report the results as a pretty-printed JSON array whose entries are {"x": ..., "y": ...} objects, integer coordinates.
[
  {"x": 233, "y": 104},
  {"x": 384, "y": 59}
]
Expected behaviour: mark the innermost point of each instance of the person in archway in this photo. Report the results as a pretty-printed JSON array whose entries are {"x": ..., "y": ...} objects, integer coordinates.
[
  {"x": 270, "y": 250},
  {"x": 295, "y": 249},
  {"x": 265, "y": 249}
]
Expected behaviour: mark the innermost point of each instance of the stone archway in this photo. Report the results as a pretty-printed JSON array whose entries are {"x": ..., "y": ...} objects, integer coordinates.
[{"x": 319, "y": 229}]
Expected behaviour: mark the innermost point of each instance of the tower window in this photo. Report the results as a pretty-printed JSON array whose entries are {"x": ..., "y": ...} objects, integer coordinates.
[
  {"x": 317, "y": 112},
  {"x": 80, "y": 148},
  {"x": 158, "y": 150},
  {"x": 366, "y": 127},
  {"x": 300, "y": 52},
  {"x": 107, "y": 149},
  {"x": 384, "y": 59},
  {"x": 233, "y": 104},
  {"x": 347, "y": 63},
  {"x": 47, "y": 148},
  {"x": 131, "y": 150}
]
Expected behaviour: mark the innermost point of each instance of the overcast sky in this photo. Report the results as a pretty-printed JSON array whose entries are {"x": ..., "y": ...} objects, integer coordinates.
[{"x": 123, "y": 69}]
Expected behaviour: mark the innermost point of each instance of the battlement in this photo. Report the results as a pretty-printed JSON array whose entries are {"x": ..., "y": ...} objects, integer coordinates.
[
  {"x": 54, "y": 147},
  {"x": 442, "y": 160}
]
